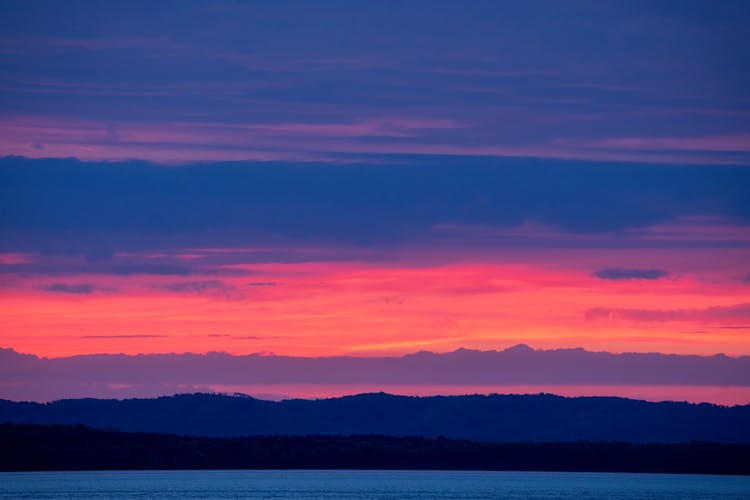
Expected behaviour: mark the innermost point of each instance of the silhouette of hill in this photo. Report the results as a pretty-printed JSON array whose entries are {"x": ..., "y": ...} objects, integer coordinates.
[
  {"x": 118, "y": 375},
  {"x": 492, "y": 418},
  {"x": 31, "y": 447}
]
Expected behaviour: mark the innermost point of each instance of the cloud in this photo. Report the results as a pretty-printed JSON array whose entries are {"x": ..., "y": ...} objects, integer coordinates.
[
  {"x": 231, "y": 205},
  {"x": 89, "y": 260},
  {"x": 353, "y": 89},
  {"x": 262, "y": 283},
  {"x": 255, "y": 337},
  {"x": 27, "y": 374},
  {"x": 195, "y": 286},
  {"x": 54, "y": 266},
  {"x": 736, "y": 312},
  {"x": 127, "y": 269},
  {"x": 73, "y": 288},
  {"x": 135, "y": 336},
  {"x": 615, "y": 273},
  {"x": 733, "y": 142},
  {"x": 213, "y": 288}
]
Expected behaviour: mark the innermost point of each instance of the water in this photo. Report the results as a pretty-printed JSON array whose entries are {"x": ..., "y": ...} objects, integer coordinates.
[{"x": 362, "y": 485}]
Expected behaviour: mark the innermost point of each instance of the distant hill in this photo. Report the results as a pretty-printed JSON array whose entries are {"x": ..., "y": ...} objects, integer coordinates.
[
  {"x": 24, "y": 376},
  {"x": 491, "y": 418},
  {"x": 33, "y": 447}
]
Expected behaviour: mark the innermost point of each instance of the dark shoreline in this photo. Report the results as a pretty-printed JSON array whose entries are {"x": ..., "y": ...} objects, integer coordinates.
[
  {"x": 68, "y": 448},
  {"x": 493, "y": 418}
]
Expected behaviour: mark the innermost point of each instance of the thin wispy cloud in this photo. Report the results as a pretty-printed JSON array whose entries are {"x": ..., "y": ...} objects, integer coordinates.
[
  {"x": 133, "y": 336},
  {"x": 73, "y": 288},
  {"x": 212, "y": 288},
  {"x": 617, "y": 273},
  {"x": 345, "y": 85},
  {"x": 730, "y": 313}
]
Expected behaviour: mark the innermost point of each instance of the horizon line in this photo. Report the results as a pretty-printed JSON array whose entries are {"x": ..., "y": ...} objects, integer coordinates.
[
  {"x": 521, "y": 347},
  {"x": 283, "y": 398}
]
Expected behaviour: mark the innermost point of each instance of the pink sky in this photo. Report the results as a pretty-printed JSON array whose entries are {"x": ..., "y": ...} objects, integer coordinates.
[{"x": 421, "y": 300}]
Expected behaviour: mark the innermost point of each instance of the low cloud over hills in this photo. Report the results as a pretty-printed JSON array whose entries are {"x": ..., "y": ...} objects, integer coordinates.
[{"x": 28, "y": 377}]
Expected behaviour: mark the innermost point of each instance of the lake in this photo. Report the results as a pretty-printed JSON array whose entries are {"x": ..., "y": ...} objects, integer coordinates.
[{"x": 311, "y": 484}]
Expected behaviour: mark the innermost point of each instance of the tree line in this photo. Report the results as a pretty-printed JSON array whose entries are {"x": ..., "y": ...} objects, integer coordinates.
[{"x": 56, "y": 447}]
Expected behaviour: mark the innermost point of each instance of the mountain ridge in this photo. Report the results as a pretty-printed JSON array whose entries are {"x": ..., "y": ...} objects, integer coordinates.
[{"x": 492, "y": 418}]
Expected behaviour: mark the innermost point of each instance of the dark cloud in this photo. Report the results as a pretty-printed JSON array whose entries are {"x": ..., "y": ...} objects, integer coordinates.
[
  {"x": 262, "y": 283},
  {"x": 195, "y": 286},
  {"x": 62, "y": 267},
  {"x": 77, "y": 288},
  {"x": 615, "y": 273},
  {"x": 232, "y": 205},
  {"x": 126, "y": 269},
  {"x": 65, "y": 264}
]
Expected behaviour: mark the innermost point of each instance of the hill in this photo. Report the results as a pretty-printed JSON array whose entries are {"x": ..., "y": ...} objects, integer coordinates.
[{"x": 493, "y": 418}]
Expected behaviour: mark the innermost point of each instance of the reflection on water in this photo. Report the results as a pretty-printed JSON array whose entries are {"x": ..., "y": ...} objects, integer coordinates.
[{"x": 367, "y": 485}]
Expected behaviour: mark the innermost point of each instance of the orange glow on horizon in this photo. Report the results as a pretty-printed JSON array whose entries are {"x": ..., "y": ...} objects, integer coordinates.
[{"x": 366, "y": 308}]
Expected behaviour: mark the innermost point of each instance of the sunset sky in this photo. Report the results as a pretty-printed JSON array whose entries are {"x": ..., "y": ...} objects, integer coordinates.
[{"x": 369, "y": 179}]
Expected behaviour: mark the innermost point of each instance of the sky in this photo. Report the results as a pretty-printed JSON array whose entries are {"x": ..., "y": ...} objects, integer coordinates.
[{"x": 374, "y": 179}]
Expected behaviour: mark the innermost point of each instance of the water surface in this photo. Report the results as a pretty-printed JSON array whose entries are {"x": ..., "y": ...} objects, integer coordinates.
[{"x": 224, "y": 484}]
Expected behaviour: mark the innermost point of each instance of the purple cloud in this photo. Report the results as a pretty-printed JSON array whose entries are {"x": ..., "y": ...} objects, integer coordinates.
[
  {"x": 615, "y": 273},
  {"x": 737, "y": 312},
  {"x": 460, "y": 80},
  {"x": 41, "y": 378},
  {"x": 73, "y": 288}
]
